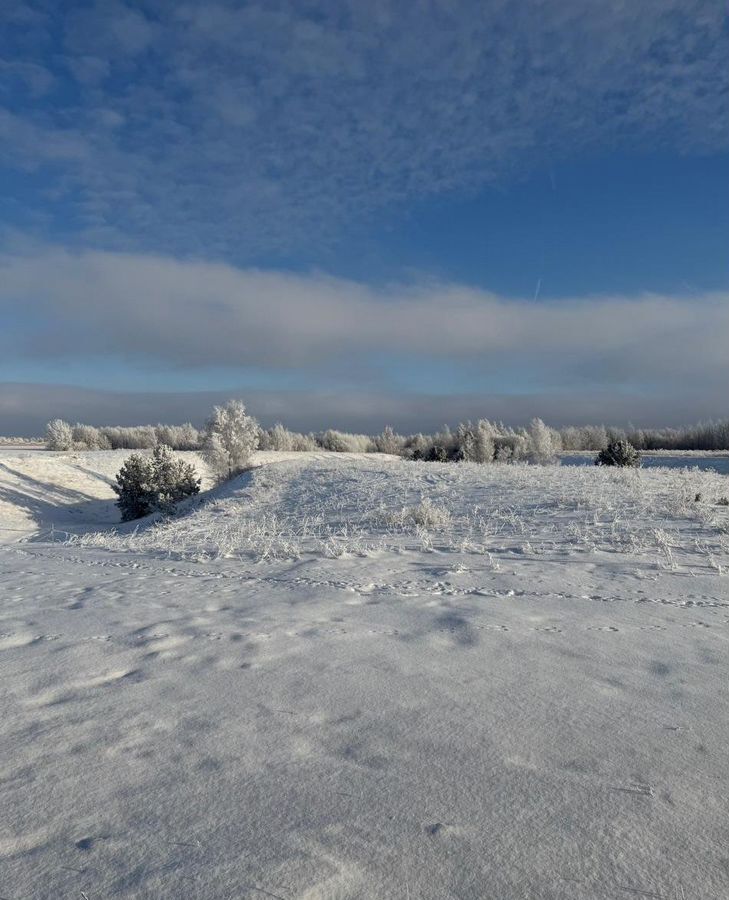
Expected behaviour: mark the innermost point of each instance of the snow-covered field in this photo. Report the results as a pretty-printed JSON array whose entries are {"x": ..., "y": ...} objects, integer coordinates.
[{"x": 347, "y": 677}]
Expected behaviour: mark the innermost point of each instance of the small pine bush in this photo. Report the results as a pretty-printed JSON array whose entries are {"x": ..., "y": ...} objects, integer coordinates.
[
  {"x": 156, "y": 483},
  {"x": 619, "y": 453},
  {"x": 437, "y": 453}
]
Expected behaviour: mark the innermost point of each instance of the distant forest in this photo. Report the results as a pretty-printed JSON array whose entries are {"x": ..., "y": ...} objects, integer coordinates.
[{"x": 482, "y": 441}]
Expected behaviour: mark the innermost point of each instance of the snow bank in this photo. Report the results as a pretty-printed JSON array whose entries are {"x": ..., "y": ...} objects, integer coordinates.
[{"x": 300, "y": 689}]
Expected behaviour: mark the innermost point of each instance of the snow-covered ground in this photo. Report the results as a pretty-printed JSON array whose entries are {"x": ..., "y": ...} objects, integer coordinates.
[{"x": 348, "y": 677}]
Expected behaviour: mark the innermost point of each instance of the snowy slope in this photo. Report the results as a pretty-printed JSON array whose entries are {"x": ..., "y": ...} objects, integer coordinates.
[{"x": 365, "y": 678}]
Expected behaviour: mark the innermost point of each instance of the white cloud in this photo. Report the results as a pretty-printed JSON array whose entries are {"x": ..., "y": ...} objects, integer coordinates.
[
  {"x": 25, "y": 408},
  {"x": 198, "y": 315},
  {"x": 247, "y": 128},
  {"x": 28, "y": 145}
]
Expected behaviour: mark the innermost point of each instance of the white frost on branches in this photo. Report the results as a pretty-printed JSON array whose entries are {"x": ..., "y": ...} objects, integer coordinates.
[
  {"x": 231, "y": 436},
  {"x": 59, "y": 435},
  {"x": 542, "y": 449}
]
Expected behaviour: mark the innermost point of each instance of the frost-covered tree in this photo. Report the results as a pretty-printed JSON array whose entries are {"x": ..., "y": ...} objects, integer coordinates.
[
  {"x": 279, "y": 438},
  {"x": 188, "y": 437},
  {"x": 512, "y": 446},
  {"x": 474, "y": 443},
  {"x": 504, "y": 453},
  {"x": 619, "y": 453},
  {"x": 135, "y": 437},
  {"x": 156, "y": 483},
  {"x": 231, "y": 436},
  {"x": 389, "y": 442},
  {"x": 59, "y": 435},
  {"x": 541, "y": 444}
]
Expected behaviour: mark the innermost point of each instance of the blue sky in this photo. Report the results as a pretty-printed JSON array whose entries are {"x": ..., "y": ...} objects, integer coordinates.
[
  {"x": 462, "y": 208},
  {"x": 615, "y": 223}
]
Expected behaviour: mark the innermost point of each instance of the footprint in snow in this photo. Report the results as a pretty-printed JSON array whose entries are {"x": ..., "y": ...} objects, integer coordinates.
[{"x": 19, "y": 639}]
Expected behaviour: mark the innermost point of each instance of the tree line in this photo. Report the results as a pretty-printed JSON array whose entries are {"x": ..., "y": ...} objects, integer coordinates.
[{"x": 481, "y": 441}]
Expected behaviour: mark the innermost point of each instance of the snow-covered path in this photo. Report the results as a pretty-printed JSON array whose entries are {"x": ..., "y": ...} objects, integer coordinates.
[{"x": 304, "y": 690}]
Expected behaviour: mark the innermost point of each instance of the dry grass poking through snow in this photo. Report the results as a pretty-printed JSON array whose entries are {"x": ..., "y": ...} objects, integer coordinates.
[
  {"x": 338, "y": 507},
  {"x": 426, "y": 514}
]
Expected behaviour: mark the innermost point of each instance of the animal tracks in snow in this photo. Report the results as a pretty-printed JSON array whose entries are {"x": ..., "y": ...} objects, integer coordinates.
[
  {"x": 359, "y": 719},
  {"x": 20, "y": 639}
]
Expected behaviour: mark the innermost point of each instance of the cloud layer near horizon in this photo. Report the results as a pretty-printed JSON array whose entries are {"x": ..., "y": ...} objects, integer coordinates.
[
  {"x": 26, "y": 408},
  {"x": 340, "y": 337}
]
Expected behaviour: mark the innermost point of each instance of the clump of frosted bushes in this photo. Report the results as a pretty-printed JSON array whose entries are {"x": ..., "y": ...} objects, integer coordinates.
[
  {"x": 389, "y": 442},
  {"x": 61, "y": 435},
  {"x": 343, "y": 442},
  {"x": 7, "y": 439},
  {"x": 86, "y": 437},
  {"x": 479, "y": 442},
  {"x": 708, "y": 436},
  {"x": 484, "y": 442},
  {"x": 280, "y": 438}
]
